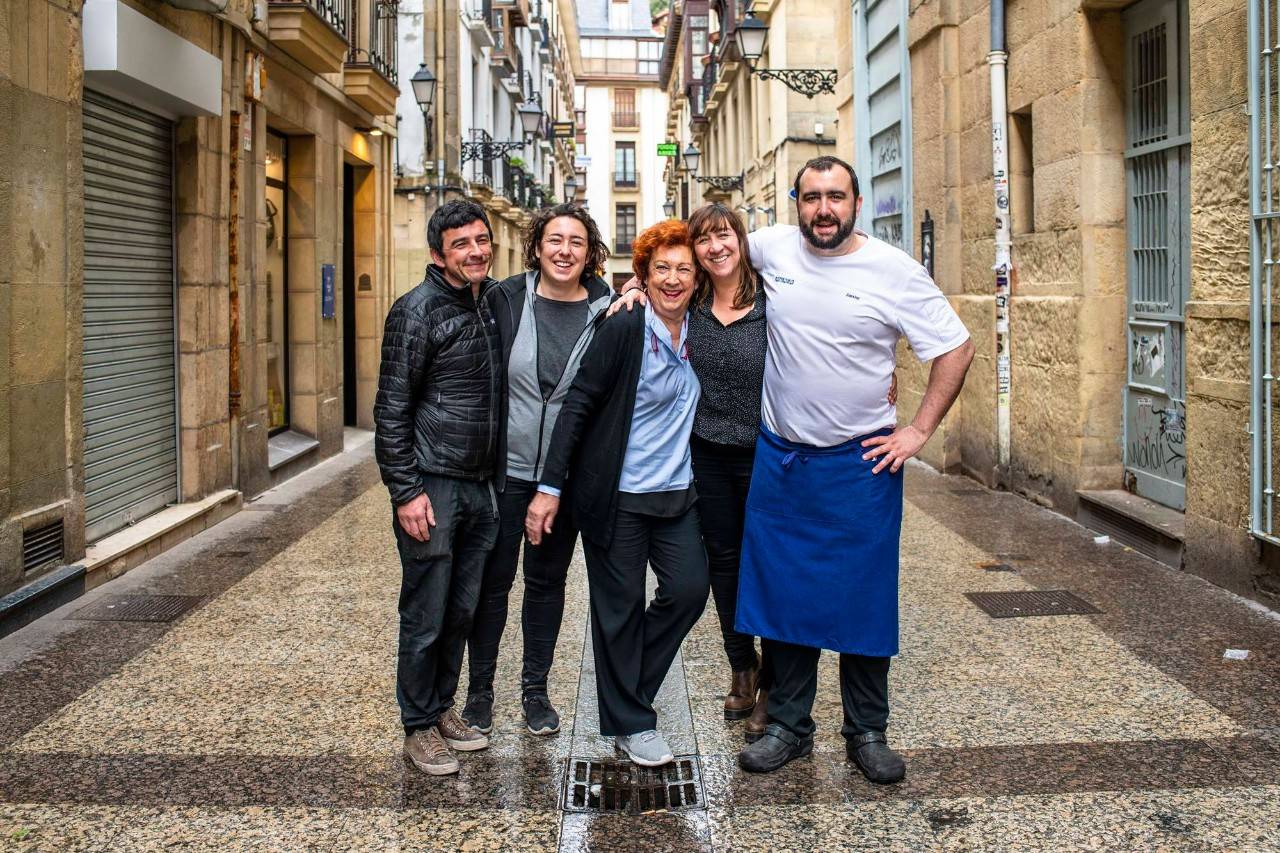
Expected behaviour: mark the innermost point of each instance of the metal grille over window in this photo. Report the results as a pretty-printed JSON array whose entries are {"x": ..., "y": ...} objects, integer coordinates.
[
  {"x": 1264, "y": 186},
  {"x": 1158, "y": 189}
]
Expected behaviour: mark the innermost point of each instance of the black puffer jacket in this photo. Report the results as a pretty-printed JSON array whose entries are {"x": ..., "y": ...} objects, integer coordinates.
[{"x": 438, "y": 387}]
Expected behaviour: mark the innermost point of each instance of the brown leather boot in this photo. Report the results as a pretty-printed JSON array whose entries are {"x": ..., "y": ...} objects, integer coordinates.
[
  {"x": 742, "y": 695},
  {"x": 759, "y": 720}
]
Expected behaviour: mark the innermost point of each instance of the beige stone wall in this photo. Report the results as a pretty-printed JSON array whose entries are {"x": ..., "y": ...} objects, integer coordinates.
[
  {"x": 1219, "y": 545},
  {"x": 1067, "y": 310},
  {"x": 41, "y": 238},
  {"x": 41, "y": 257}
]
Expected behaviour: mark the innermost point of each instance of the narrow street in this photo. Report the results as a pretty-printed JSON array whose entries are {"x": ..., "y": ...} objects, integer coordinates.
[{"x": 264, "y": 717}]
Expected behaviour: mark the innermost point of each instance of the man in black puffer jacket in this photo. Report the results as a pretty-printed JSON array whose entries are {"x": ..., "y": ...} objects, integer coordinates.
[{"x": 436, "y": 417}]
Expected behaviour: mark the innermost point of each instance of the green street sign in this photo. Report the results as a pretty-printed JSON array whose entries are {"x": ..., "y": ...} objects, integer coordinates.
[{"x": 668, "y": 149}]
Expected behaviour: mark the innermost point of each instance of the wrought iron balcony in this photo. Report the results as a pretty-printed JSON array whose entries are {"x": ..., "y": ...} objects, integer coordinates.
[
  {"x": 626, "y": 179},
  {"x": 371, "y": 27},
  {"x": 626, "y": 120},
  {"x": 314, "y": 32}
]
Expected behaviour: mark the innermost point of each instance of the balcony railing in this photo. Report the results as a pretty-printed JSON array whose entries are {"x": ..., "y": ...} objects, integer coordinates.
[
  {"x": 332, "y": 12},
  {"x": 708, "y": 81},
  {"x": 626, "y": 119},
  {"x": 622, "y": 247},
  {"x": 371, "y": 31},
  {"x": 626, "y": 180}
]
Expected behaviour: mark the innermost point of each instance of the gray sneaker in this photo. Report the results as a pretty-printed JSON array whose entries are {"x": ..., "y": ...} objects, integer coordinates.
[{"x": 648, "y": 749}]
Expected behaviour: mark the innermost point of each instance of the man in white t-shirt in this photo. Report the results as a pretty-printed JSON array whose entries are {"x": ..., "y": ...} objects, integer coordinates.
[{"x": 820, "y": 552}]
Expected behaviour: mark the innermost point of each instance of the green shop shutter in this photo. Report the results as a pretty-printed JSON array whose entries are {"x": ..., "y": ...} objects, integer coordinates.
[{"x": 130, "y": 380}]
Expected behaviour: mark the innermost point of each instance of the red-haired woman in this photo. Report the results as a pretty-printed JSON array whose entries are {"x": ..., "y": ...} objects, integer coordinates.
[{"x": 622, "y": 440}]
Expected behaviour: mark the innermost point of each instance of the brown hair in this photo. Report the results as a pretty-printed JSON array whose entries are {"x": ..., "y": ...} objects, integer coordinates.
[
  {"x": 713, "y": 217},
  {"x": 597, "y": 249},
  {"x": 672, "y": 232}
]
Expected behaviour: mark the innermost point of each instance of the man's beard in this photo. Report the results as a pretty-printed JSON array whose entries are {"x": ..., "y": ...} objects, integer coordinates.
[{"x": 842, "y": 233}]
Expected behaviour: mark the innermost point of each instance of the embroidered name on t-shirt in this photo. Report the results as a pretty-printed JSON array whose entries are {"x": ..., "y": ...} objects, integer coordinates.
[{"x": 781, "y": 280}]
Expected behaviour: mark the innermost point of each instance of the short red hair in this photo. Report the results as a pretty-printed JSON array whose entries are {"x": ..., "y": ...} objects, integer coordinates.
[{"x": 673, "y": 232}]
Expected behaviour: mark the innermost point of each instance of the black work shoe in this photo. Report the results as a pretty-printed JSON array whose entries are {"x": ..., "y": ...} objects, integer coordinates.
[
  {"x": 478, "y": 713},
  {"x": 880, "y": 764},
  {"x": 540, "y": 715},
  {"x": 774, "y": 749}
]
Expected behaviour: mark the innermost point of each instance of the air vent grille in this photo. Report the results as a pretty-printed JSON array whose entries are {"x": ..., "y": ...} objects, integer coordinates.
[{"x": 42, "y": 546}]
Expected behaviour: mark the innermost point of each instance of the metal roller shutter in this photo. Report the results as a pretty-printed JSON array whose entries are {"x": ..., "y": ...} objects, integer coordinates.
[{"x": 130, "y": 381}]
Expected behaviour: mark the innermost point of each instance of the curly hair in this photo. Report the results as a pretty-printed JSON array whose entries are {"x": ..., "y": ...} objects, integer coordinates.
[
  {"x": 597, "y": 249},
  {"x": 673, "y": 232},
  {"x": 714, "y": 217}
]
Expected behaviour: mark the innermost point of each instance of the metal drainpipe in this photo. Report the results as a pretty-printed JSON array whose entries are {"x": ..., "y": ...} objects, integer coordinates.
[
  {"x": 441, "y": 89},
  {"x": 997, "y": 59}
]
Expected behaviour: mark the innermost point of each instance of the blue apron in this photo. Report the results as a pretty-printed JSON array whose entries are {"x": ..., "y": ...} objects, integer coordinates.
[{"x": 820, "y": 548}]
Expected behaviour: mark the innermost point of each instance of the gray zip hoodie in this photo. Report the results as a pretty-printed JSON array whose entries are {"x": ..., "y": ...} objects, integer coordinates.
[{"x": 530, "y": 418}]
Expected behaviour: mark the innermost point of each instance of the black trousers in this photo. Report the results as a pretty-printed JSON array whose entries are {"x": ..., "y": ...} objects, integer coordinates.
[
  {"x": 545, "y": 568},
  {"x": 723, "y": 475},
  {"x": 864, "y": 689},
  {"x": 439, "y": 589},
  {"x": 634, "y": 645}
]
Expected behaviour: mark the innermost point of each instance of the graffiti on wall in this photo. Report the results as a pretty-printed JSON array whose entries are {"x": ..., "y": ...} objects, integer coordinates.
[
  {"x": 1158, "y": 436},
  {"x": 886, "y": 150}
]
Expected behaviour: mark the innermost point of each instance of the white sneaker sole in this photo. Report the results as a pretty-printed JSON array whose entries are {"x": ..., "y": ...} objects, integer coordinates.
[
  {"x": 434, "y": 769},
  {"x": 542, "y": 732},
  {"x": 644, "y": 762},
  {"x": 468, "y": 745}
]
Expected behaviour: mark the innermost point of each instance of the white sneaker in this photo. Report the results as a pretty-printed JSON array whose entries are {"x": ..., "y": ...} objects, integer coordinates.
[{"x": 648, "y": 748}]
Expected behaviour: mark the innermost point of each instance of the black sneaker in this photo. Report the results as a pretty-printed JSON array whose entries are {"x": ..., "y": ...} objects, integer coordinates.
[
  {"x": 478, "y": 713},
  {"x": 540, "y": 715}
]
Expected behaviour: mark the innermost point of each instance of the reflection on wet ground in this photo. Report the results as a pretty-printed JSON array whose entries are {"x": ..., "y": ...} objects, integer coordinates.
[{"x": 266, "y": 718}]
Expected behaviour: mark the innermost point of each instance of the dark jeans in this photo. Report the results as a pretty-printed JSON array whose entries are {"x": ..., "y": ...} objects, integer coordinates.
[
  {"x": 634, "y": 645},
  {"x": 723, "y": 475},
  {"x": 864, "y": 689},
  {"x": 439, "y": 590},
  {"x": 545, "y": 569}
]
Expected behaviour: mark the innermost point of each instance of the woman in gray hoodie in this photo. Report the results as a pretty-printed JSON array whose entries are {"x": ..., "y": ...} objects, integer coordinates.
[{"x": 545, "y": 318}]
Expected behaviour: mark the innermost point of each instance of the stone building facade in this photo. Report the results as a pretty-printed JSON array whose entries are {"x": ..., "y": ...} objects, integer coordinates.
[
  {"x": 180, "y": 181},
  {"x": 752, "y": 133},
  {"x": 491, "y": 59},
  {"x": 617, "y": 90},
  {"x": 1129, "y": 330}
]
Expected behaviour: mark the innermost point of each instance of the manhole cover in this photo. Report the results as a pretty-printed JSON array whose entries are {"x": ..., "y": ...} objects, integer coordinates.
[
  {"x": 1035, "y": 602},
  {"x": 137, "y": 608},
  {"x": 613, "y": 785}
]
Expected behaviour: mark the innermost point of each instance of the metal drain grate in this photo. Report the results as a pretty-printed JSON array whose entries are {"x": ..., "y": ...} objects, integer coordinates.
[
  {"x": 613, "y": 785},
  {"x": 1034, "y": 602},
  {"x": 137, "y": 608}
]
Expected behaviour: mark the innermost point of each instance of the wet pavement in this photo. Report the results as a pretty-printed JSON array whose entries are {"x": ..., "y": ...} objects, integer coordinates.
[{"x": 265, "y": 717}]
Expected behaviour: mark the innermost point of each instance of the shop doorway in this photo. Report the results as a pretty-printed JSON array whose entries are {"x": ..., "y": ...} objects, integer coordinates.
[{"x": 349, "y": 375}]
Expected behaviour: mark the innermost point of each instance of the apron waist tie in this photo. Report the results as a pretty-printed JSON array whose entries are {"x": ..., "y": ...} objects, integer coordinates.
[{"x": 791, "y": 457}]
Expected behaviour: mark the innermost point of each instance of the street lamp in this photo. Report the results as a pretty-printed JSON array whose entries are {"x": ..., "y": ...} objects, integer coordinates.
[
  {"x": 570, "y": 188},
  {"x": 669, "y": 208},
  {"x": 424, "y": 87},
  {"x": 692, "y": 157},
  {"x": 724, "y": 183},
  {"x": 424, "y": 92},
  {"x": 750, "y": 36},
  {"x": 530, "y": 117}
]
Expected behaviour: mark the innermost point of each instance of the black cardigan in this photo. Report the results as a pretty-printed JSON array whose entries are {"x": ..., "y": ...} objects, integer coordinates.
[{"x": 589, "y": 443}]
